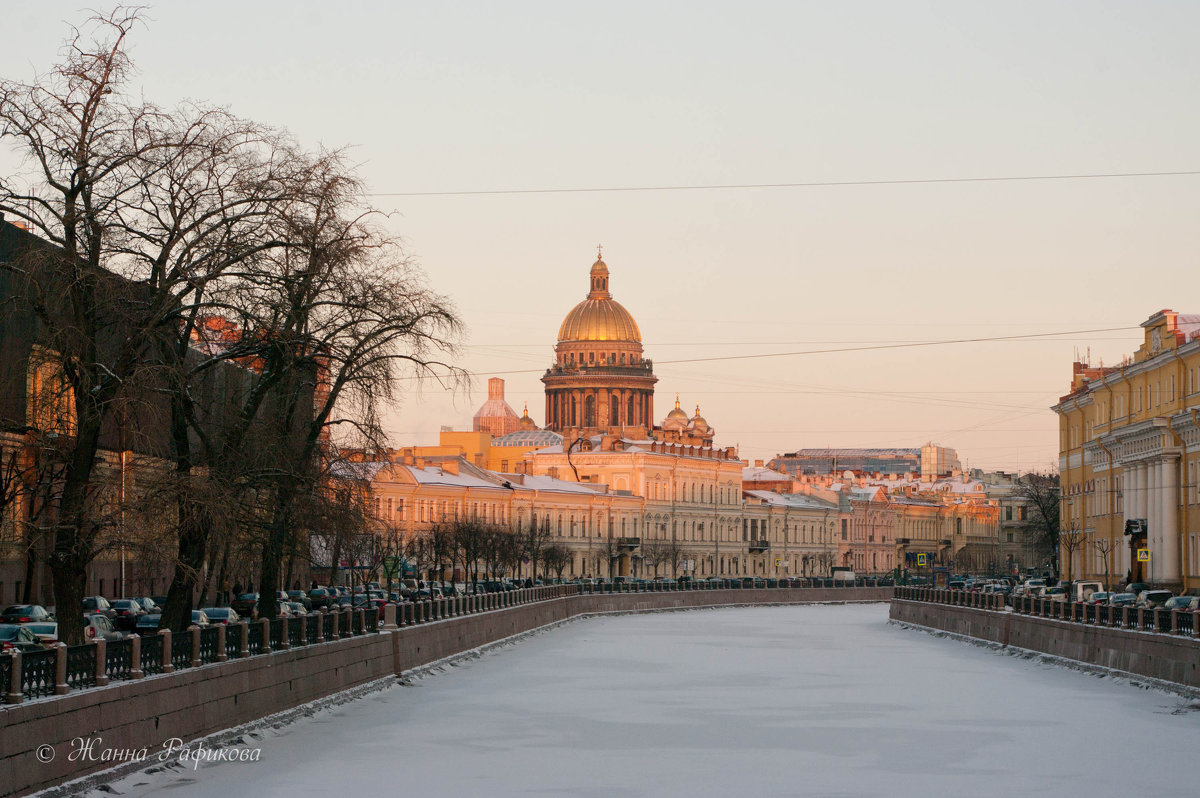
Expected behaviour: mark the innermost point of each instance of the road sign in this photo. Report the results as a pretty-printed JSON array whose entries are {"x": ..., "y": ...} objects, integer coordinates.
[
  {"x": 1143, "y": 555},
  {"x": 776, "y": 562},
  {"x": 391, "y": 567},
  {"x": 922, "y": 559}
]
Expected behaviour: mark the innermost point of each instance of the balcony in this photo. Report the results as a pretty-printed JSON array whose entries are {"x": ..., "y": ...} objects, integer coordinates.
[
  {"x": 628, "y": 543},
  {"x": 903, "y": 541},
  {"x": 759, "y": 545}
]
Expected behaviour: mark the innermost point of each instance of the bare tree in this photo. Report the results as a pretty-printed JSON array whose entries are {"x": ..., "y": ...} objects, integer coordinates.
[
  {"x": 1105, "y": 547},
  {"x": 556, "y": 557},
  {"x": 1070, "y": 541},
  {"x": 534, "y": 540},
  {"x": 1041, "y": 492}
]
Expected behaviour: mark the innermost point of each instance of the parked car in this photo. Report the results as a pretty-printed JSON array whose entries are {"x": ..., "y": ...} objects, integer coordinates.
[
  {"x": 199, "y": 618},
  {"x": 1099, "y": 597},
  {"x": 1056, "y": 594},
  {"x": 1182, "y": 603},
  {"x": 1150, "y": 599},
  {"x": 297, "y": 608},
  {"x": 17, "y": 637},
  {"x": 1082, "y": 591},
  {"x": 99, "y": 605},
  {"x": 46, "y": 631},
  {"x": 149, "y": 604},
  {"x": 127, "y": 612},
  {"x": 246, "y": 605},
  {"x": 1136, "y": 587},
  {"x": 320, "y": 597},
  {"x": 148, "y": 624},
  {"x": 1122, "y": 600},
  {"x": 301, "y": 597},
  {"x": 223, "y": 615},
  {"x": 25, "y": 613},
  {"x": 97, "y": 626}
]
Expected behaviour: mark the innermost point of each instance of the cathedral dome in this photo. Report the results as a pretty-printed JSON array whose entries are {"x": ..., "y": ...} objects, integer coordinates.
[
  {"x": 599, "y": 317},
  {"x": 698, "y": 422},
  {"x": 677, "y": 419}
]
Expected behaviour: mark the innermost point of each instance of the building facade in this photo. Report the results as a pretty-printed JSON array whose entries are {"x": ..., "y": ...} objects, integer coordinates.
[{"x": 1129, "y": 460}]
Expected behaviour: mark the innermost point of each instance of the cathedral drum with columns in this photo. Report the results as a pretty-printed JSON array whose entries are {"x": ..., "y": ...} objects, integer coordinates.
[{"x": 599, "y": 380}]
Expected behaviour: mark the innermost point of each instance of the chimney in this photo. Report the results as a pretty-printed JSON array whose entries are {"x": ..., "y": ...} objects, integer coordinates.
[
  {"x": 758, "y": 463},
  {"x": 450, "y": 466}
]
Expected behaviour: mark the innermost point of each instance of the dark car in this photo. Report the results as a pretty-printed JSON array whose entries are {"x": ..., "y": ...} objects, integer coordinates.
[
  {"x": 320, "y": 597},
  {"x": 300, "y": 596},
  {"x": 127, "y": 612},
  {"x": 148, "y": 624},
  {"x": 149, "y": 604},
  {"x": 25, "y": 613},
  {"x": 221, "y": 615},
  {"x": 14, "y": 637},
  {"x": 246, "y": 605},
  {"x": 98, "y": 605}
]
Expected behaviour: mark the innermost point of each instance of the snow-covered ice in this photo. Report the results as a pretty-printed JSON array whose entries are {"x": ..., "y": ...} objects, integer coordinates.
[{"x": 773, "y": 701}]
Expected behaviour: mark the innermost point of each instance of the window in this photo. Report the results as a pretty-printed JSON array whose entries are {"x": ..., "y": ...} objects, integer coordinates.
[{"x": 51, "y": 399}]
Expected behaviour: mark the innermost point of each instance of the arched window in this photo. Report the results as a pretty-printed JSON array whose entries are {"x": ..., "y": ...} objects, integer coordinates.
[
  {"x": 614, "y": 410},
  {"x": 589, "y": 411},
  {"x": 629, "y": 415},
  {"x": 574, "y": 412}
]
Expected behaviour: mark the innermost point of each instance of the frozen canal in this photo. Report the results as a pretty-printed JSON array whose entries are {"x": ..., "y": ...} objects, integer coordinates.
[{"x": 813, "y": 701}]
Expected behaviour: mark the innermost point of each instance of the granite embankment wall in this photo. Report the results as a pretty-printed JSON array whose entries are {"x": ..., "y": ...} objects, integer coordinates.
[
  {"x": 145, "y": 713},
  {"x": 1171, "y": 658}
]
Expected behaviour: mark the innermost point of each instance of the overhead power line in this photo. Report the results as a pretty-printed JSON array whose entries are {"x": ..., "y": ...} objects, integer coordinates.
[
  {"x": 841, "y": 350},
  {"x": 808, "y": 184}
]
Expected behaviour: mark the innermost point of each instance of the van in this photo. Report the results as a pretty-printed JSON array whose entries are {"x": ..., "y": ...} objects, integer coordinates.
[{"x": 1082, "y": 591}]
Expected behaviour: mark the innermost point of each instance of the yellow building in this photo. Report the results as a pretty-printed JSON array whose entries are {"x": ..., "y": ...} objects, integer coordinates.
[{"x": 1129, "y": 456}]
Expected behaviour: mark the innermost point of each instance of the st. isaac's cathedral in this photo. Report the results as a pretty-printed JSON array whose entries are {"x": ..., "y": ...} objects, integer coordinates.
[
  {"x": 601, "y": 384},
  {"x": 600, "y": 430}
]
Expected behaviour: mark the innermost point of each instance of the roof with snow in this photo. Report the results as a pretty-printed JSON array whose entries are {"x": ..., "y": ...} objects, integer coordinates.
[{"x": 529, "y": 437}]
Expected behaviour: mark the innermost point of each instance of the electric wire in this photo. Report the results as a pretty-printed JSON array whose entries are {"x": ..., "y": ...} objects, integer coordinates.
[{"x": 804, "y": 184}]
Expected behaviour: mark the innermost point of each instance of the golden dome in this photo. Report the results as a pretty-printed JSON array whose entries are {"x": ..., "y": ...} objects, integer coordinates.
[
  {"x": 599, "y": 317},
  {"x": 699, "y": 424}
]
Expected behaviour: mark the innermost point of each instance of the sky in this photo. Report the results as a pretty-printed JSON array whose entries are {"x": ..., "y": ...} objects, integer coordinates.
[{"x": 436, "y": 98}]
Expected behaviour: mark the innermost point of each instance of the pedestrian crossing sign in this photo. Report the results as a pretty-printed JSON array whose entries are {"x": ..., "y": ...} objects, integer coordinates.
[
  {"x": 922, "y": 559},
  {"x": 1143, "y": 555}
]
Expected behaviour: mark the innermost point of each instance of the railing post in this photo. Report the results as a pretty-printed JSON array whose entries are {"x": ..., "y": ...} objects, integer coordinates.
[
  {"x": 244, "y": 643},
  {"x": 285, "y": 633},
  {"x": 1175, "y": 621},
  {"x": 135, "y": 656},
  {"x": 101, "y": 677},
  {"x": 1141, "y": 618},
  {"x": 222, "y": 634},
  {"x": 197, "y": 660},
  {"x": 1195, "y": 623},
  {"x": 13, "y": 696},
  {"x": 362, "y": 620},
  {"x": 265, "y": 625},
  {"x": 389, "y": 617},
  {"x": 60, "y": 669},
  {"x": 320, "y": 624},
  {"x": 165, "y": 636}
]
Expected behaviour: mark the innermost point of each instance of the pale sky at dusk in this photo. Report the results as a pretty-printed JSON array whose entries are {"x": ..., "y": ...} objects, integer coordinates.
[{"x": 445, "y": 97}]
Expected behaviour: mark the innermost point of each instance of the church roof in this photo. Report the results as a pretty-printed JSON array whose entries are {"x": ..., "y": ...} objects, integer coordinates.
[{"x": 599, "y": 317}]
